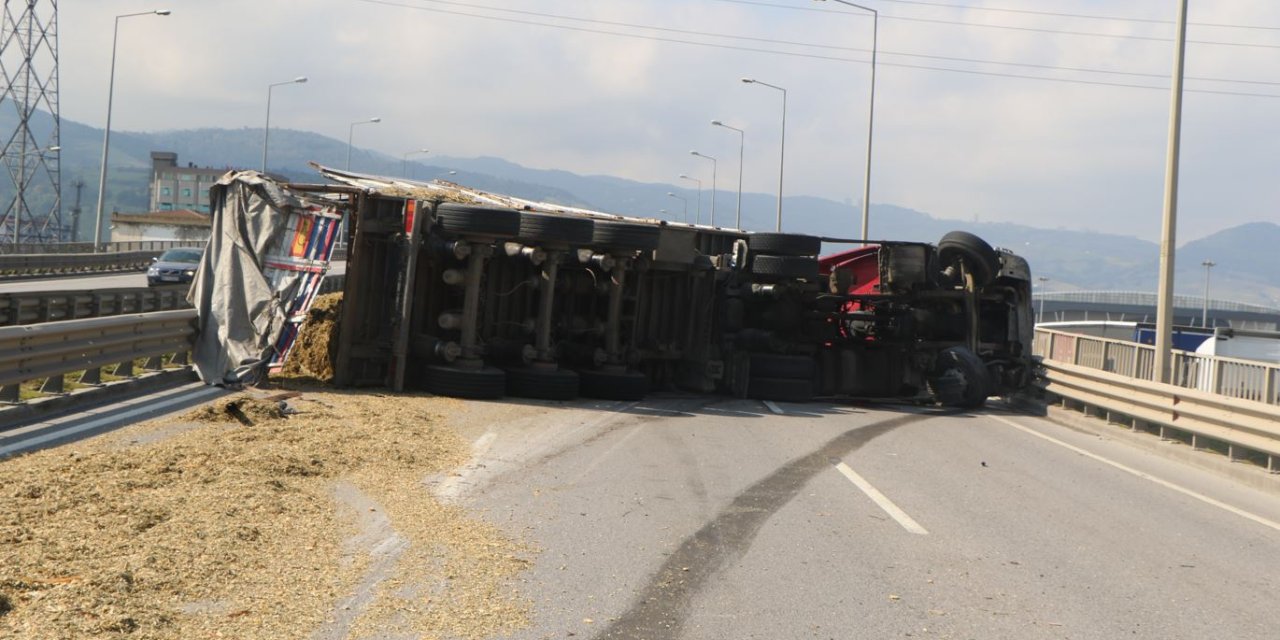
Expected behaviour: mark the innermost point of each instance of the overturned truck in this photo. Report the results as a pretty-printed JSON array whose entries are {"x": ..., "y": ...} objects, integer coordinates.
[{"x": 468, "y": 294}]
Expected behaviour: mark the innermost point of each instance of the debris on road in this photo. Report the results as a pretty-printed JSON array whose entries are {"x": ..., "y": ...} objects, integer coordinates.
[{"x": 232, "y": 529}]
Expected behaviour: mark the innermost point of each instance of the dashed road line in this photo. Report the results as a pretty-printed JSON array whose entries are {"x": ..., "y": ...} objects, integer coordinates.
[{"x": 881, "y": 500}]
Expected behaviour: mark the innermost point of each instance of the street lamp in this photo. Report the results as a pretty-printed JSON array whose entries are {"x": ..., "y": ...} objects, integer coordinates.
[
  {"x": 686, "y": 205},
  {"x": 713, "y": 183},
  {"x": 871, "y": 116},
  {"x": 351, "y": 131},
  {"x": 783, "y": 157},
  {"x": 106, "y": 134},
  {"x": 685, "y": 177},
  {"x": 1204, "y": 312},
  {"x": 742, "y": 138},
  {"x": 1040, "y": 318},
  {"x": 266, "y": 130},
  {"x": 404, "y": 161},
  {"x": 1162, "y": 368}
]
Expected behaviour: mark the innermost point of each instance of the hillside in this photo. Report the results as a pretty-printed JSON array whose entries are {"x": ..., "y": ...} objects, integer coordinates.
[{"x": 1246, "y": 263}]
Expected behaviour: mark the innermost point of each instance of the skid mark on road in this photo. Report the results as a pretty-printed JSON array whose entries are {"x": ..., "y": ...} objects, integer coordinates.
[{"x": 659, "y": 611}]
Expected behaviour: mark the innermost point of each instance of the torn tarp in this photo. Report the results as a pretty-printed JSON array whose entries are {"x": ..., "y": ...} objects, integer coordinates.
[{"x": 267, "y": 255}]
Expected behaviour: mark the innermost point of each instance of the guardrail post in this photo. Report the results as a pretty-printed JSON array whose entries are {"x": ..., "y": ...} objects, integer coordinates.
[
  {"x": 154, "y": 363},
  {"x": 124, "y": 369},
  {"x": 1215, "y": 373},
  {"x": 52, "y": 384},
  {"x": 180, "y": 358},
  {"x": 1075, "y": 349},
  {"x": 1269, "y": 392},
  {"x": 9, "y": 393},
  {"x": 91, "y": 376}
]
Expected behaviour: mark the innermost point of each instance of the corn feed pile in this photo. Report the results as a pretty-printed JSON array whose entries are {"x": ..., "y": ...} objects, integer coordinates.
[
  {"x": 237, "y": 527},
  {"x": 316, "y": 345}
]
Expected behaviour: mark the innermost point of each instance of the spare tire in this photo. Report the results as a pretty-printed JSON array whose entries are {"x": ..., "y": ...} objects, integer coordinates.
[
  {"x": 472, "y": 219},
  {"x": 979, "y": 258},
  {"x": 784, "y": 244},
  {"x": 799, "y": 267}
]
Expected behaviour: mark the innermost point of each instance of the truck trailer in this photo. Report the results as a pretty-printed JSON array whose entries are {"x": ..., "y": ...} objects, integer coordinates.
[{"x": 475, "y": 295}]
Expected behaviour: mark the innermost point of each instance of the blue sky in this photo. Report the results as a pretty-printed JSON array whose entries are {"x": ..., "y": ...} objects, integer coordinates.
[{"x": 490, "y": 77}]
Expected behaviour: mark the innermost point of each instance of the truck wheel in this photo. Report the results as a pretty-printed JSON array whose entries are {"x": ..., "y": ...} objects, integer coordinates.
[
  {"x": 558, "y": 384},
  {"x": 982, "y": 261},
  {"x": 961, "y": 379},
  {"x": 773, "y": 365},
  {"x": 487, "y": 383},
  {"x": 784, "y": 244},
  {"x": 781, "y": 389},
  {"x": 802, "y": 268},
  {"x": 625, "y": 235},
  {"x": 546, "y": 227},
  {"x": 608, "y": 385},
  {"x": 472, "y": 219}
]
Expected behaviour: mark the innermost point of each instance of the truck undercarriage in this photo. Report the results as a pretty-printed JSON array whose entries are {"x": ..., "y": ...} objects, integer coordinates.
[{"x": 463, "y": 294}]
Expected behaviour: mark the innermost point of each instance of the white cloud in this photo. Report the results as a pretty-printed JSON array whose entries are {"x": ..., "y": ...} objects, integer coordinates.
[{"x": 954, "y": 144}]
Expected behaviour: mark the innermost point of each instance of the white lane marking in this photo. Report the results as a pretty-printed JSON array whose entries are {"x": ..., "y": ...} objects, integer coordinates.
[
  {"x": 27, "y": 443},
  {"x": 773, "y": 407},
  {"x": 882, "y": 501},
  {"x": 1146, "y": 476}
]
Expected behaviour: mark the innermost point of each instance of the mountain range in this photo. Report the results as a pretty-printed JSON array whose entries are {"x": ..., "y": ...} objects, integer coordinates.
[{"x": 1247, "y": 263}]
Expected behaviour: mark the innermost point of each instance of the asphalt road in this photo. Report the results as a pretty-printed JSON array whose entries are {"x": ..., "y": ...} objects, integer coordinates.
[
  {"x": 102, "y": 281},
  {"x": 705, "y": 518}
]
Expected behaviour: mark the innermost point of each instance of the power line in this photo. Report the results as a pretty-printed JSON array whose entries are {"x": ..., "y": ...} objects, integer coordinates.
[
  {"x": 1091, "y": 34},
  {"x": 1054, "y": 14},
  {"x": 418, "y": 7},
  {"x": 832, "y": 47}
]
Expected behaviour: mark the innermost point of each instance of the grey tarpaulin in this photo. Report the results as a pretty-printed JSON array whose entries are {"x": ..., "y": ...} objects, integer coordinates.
[{"x": 240, "y": 308}]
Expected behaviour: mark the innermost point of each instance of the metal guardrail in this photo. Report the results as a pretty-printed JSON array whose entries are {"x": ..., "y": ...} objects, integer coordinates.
[
  {"x": 1228, "y": 400},
  {"x": 51, "y": 346},
  {"x": 49, "y": 351},
  {"x": 53, "y": 264},
  {"x": 87, "y": 247},
  {"x": 52, "y": 306}
]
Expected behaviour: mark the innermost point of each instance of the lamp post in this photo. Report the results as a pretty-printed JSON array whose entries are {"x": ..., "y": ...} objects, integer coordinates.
[
  {"x": 686, "y": 204},
  {"x": 713, "y": 183},
  {"x": 783, "y": 154},
  {"x": 1042, "y": 280},
  {"x": 351, "y": 132},
  {"x": 871, "y": 116},
  {"x": 685, "y": 177},
  {"x": 404, "y": 161},
  {"x": 742, "y": 140},
  {"x": 1169, "y": 223},
  {"x": 106, "y": 134},
  {"x": 266, "y": 130},
  {"x": 1204, "y": 311}
]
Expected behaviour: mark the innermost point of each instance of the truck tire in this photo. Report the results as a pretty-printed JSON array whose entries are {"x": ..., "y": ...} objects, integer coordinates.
[
  {"x": 547, "y": 227},
  {"x": 802, "y": 268},
  {"x": 780, "y": 389},
  {"x": 773, "y": 365},
  {"x": 608, "y": 385},
  {"x": 472, "y": 219},
  {"x": 982, "y": 261},
  {"x": 557, "y": 384},
  {"x": 784, "y": 244},
  {"x": 624, "y": 235},
  {"x": 487, "y": 383},
  {"x": 960, "y": 380}
]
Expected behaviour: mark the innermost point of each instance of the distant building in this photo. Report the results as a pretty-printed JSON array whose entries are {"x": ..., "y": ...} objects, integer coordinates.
[
  {"x": 174, "y": 187},
  {"x": 182, "y": 224}
]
